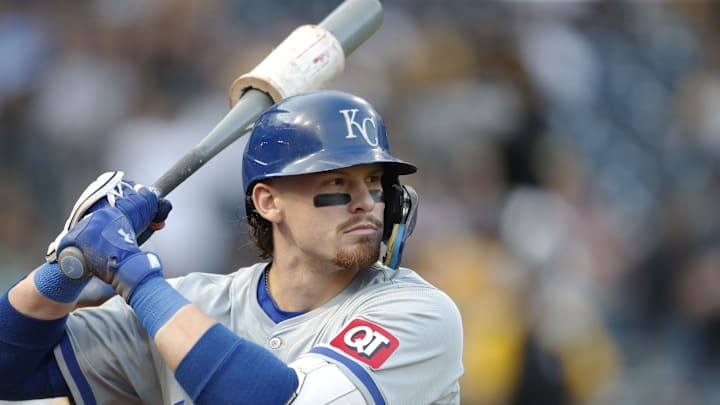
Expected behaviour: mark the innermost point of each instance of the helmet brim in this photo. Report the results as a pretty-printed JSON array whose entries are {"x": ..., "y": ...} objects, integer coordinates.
[{"x": 324, "y": 161}]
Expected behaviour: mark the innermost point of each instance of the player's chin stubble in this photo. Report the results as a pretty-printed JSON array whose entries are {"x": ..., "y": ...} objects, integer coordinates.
[
  {"x": 366, "y": 250},
  {"x": 366, "y": 253}
]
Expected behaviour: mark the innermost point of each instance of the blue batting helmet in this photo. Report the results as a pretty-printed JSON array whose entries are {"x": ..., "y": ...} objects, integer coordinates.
[
  {"x": 320, "y": 131},
  {"x": 315, "y": 132}
]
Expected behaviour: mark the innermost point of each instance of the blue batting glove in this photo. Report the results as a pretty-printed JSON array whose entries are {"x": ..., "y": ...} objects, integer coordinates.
[
  {"x": 158, "y": 221},
  {"x": 145, "y": 211},
  {"x": 108, "y": 244}
]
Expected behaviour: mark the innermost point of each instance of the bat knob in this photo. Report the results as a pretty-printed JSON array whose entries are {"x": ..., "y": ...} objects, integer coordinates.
[{"x": 72, "y": 263}]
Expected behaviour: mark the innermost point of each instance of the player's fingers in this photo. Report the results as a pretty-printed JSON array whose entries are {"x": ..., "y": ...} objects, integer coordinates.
[
  {"x": 158, "y": 221},
  {"x": 139, "y": 204},
  {"x": 164, "y": 208}
]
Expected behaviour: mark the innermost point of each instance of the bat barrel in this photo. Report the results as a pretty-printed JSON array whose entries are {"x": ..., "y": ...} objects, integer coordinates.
[{"x": 351, "y": 23}]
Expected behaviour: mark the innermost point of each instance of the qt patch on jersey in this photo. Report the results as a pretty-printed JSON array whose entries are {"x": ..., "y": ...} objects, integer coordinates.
[{"x": 366, "y": 342}]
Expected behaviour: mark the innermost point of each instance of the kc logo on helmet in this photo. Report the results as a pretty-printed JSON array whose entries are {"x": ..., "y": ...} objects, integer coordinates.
[
  {"x": 367, "y": 342},
  {"x": 353, "y": 125}
]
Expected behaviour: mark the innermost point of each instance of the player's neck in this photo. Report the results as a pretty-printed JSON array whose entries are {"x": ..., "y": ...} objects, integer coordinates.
[{"x": 301, "y": 286}]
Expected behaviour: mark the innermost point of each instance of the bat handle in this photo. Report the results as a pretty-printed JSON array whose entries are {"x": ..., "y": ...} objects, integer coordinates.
[
  {"x": 227, "y": 131},
  {"x": 72, "y": 263}
]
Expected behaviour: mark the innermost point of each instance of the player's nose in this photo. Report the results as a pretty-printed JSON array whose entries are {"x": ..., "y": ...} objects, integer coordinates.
[{"x": 362, "y": 199}]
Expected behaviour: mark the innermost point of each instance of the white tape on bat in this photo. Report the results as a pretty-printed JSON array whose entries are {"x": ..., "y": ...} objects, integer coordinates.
[{"x": 308, "y": 59}]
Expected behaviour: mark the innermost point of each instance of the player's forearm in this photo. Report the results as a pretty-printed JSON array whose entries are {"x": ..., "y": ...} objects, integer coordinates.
[
  {"x": 175, "y": 339},
  {"x": 207, "y": 357},
  {"x": 175, "y": 324}
]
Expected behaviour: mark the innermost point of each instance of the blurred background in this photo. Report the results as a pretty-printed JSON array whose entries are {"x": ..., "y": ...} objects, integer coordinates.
[{"x": 568, "y": 155}]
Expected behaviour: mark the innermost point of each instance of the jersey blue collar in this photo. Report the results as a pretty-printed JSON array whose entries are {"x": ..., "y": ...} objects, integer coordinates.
[{"x": 268, "y": 304}]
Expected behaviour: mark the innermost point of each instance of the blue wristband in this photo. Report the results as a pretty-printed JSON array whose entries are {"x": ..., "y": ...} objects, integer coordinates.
[
  {"x": 53, "y": 284},
  {"x": 155, "y": 301}
]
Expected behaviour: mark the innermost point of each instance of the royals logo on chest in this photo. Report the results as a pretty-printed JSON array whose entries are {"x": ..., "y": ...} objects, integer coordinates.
[{"x": 366, "y": 342}]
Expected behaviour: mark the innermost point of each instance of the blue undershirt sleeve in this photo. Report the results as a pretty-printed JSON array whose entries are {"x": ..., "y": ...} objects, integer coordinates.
[
  {"x": 27, "y": 365},
  {"x": 224, "y": 368}
]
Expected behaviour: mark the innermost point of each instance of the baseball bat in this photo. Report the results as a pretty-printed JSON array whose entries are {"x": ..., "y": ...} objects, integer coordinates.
[
  {"x": 351, "y": 23},
  {"x": 308, "y": 59}
]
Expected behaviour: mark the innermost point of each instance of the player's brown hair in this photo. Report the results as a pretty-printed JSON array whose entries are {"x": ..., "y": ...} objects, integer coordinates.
[{"x": 260, "y": 230}]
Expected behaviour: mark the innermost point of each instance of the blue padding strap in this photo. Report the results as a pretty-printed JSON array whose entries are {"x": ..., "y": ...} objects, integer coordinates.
[
  {"x": 155, "y": 301},
  {"x": 223, "y": 368},
  {"x": 52, "y": 283}
]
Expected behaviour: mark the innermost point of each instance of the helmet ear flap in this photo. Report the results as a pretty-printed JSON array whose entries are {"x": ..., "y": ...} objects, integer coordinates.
[
  {"x": 401, "y": 203},
  {"x": 392, "y": 194}
]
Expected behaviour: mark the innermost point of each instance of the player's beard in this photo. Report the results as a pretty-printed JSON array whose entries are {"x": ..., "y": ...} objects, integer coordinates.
[
  {"x": 363, "y": 254},
  {"x": 367, "y": 253}
]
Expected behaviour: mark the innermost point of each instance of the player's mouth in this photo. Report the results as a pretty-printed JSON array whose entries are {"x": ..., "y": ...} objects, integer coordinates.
[
  {"x": 361, "y": 226},
  {"x": 362, "y": 229}
]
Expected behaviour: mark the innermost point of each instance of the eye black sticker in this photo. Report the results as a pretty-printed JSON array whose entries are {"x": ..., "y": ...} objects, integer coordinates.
[{"x": 328, "y": 200}]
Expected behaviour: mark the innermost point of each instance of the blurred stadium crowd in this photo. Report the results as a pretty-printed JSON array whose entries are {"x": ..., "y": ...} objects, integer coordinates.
[{"x": 568, "y": 155}]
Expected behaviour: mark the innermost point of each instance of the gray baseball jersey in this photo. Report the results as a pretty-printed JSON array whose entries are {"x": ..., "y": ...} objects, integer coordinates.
[{"x": 395, "y": 335}]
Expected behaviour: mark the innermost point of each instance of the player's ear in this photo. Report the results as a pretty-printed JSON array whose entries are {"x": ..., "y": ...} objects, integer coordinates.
[{"x": 264, "y": 199}]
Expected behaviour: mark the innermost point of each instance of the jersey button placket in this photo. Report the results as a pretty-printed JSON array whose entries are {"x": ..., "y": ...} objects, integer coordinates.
[{"x": 275, "y": 343}]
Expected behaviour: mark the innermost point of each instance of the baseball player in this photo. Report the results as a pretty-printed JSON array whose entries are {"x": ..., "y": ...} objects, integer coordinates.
[{"x": 321, "y": 321}]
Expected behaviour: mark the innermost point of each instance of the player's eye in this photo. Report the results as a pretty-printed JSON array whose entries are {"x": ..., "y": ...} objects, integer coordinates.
[
  {"x": 373, "y": 179},
  {"x": 336, "y": 181}
]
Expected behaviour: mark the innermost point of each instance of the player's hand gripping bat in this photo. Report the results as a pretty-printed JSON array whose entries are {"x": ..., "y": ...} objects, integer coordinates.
[{"x": 308, "y": 59}]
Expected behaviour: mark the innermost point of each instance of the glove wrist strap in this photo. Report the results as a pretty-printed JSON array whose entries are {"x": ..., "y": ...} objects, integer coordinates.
[{"x": 135, "y": 270}]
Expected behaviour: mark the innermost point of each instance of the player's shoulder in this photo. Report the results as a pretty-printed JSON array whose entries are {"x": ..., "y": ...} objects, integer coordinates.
[
  {"x": 401, "y": 280},
  {"x": 406, "y": 292},
  {"x": 397, "y": 324}
]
